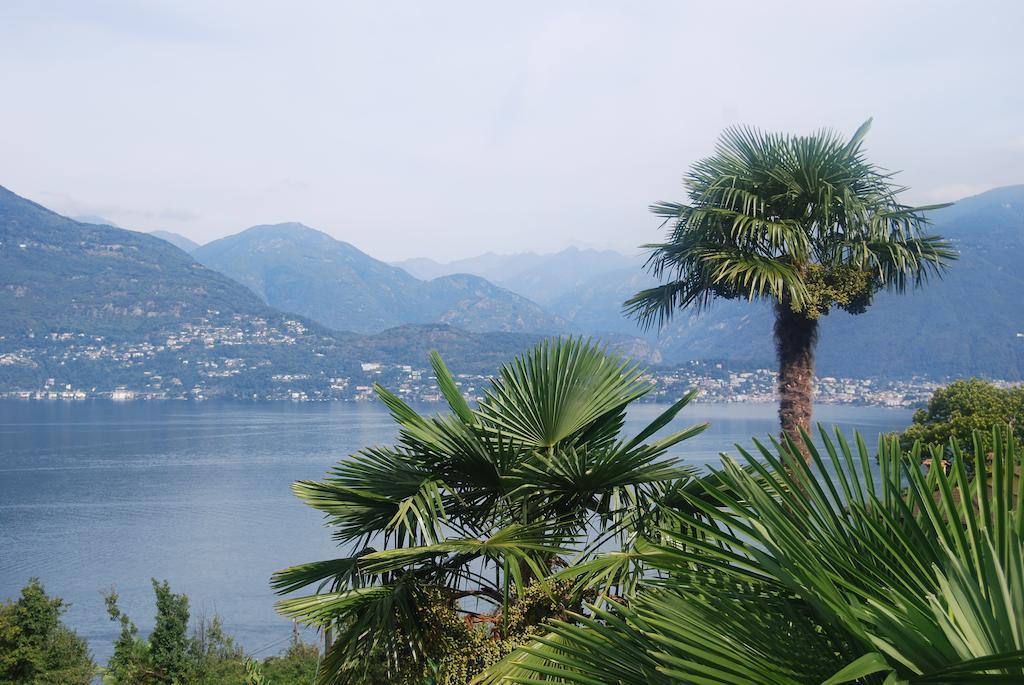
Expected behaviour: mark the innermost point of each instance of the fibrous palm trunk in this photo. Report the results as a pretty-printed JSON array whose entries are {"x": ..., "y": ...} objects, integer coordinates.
[{"x": 795, "y": 337}]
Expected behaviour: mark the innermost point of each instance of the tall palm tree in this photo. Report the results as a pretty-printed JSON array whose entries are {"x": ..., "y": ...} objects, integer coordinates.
[
  {"x": 805, "y": 222},
  {"x": 472, "y": 506}
]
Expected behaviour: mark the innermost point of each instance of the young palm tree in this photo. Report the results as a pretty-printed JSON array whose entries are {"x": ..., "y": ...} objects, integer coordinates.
[
  {"x": 805, "y": 222},
  {"x": 470, "y": 507}
]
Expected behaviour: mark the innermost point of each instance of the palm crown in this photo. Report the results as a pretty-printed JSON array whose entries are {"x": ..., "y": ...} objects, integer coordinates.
[{"x": 802, "y": 220}]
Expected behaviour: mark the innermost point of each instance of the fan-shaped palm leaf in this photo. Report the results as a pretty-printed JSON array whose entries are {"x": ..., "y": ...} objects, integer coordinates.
[{"x": 823, "y": 571}]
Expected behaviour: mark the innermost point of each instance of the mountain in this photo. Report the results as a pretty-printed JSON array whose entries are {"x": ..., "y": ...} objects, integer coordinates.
[
  {"x": 178, "y": 240},
  {"x": 566, "y": 271},
  {"x": 492, "y": 266},
  {"x": 91, "y": 305},
  {"x": 462, "y": 351},
  {"x": 541, "y": 278},
  {"x": 59, "y": 274},
  {"x": 92, "y": 308},
  {"x": 968, "y": 323},
  {"x": 297, "y": 268}
]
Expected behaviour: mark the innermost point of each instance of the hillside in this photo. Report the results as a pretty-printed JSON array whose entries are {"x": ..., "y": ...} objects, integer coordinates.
[
  {"x": 92, "y": 308},
  {"x": 60, "y": 275},
  {"x": 96, "y": 307},
  {"x": 296, "y": 268}
]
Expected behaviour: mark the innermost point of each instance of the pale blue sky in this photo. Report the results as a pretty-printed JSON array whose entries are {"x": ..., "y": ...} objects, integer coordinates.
[{"x": 445, "y": 129}]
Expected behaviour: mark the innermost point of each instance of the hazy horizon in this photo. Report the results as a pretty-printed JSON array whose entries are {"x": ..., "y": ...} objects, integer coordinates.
[{"x": 446, "y": 131}]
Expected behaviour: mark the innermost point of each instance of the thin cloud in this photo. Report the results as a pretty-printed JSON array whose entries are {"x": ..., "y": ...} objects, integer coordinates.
[{"x": 452, "y": 129}]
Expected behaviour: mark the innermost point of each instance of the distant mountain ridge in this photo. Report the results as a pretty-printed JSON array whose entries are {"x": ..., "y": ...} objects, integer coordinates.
[
  {"x": 970, "y": 322},
  {"x": 296, "y": 268},
  {"x": 178, "y": 240},
  {"x": 332, "y": 307},
  {"x": 539, "y": 277},
  {"x": 94, "y": 308}
]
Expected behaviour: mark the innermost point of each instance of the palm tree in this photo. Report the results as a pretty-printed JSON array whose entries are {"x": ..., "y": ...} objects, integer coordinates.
[
  {"x": 469, "y": 508},
  {"x": 818, "y": 573},
  {"x": 805, "y": 222}
]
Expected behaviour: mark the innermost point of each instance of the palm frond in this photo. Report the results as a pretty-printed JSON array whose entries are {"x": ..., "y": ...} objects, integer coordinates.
[
  {"x": 558, "y": 390},
  {"x": 821, "y": 571}
]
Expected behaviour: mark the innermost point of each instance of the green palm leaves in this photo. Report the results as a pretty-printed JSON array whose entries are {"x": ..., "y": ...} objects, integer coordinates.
[
  {"x": 826, "y": 571},
  {"x": 471, "y": 505},
  {"x": 766, "y": 207}
]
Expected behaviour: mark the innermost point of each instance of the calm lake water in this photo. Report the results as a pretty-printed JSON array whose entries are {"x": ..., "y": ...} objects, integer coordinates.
[{"x": 98, "y": 494}]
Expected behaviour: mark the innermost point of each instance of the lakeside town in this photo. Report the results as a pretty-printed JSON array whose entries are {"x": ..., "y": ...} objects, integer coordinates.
[
  {"x": 714, "y": 382},
  {"x": 206, "y": 361}
]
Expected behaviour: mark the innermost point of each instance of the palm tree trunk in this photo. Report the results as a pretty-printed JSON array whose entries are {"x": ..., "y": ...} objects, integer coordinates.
[{"x": 795, "y": 338}]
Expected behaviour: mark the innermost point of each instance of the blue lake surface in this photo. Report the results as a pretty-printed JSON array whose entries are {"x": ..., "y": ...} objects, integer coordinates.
[{"x": 99, "y": 494}]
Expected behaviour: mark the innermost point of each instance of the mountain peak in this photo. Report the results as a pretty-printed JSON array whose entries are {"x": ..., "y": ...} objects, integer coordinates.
[
  {"x": 284, "y": 229},
  {"x": 297, "y": 268}
]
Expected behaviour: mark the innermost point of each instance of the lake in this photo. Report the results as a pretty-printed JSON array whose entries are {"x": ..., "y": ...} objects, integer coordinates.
[{"x": 99, "y": 494}]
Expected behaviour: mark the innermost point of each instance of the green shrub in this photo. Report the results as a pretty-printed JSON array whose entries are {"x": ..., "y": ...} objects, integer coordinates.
[
  {"x": 959, "y": 410},
  {"x": 297, "y": 666},
  {"x": 36, "y": 648},
  {"x": 207, "y": 656}
]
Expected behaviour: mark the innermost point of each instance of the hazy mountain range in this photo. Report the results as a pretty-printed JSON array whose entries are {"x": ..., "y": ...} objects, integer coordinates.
[
  {"x": 298, "y": 269},
  {"x": 92, "y": 306},
  {"x": 542, "y": 278},
  {"x": 970, "y": 322},
  {"x": 62, "y": 277}
]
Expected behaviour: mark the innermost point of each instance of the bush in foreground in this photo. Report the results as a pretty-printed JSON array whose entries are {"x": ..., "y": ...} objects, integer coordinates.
[
  {"x": 208, "y": 655},
  {"x": 36, "y": 647},
  {"x": 962, "y": 409}
]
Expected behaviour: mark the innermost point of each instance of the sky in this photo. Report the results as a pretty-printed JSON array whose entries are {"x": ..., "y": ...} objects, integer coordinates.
[{"x": 448, "y": 129}]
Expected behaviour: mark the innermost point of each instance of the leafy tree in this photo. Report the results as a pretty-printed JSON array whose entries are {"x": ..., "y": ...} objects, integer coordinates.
[
  {"x": 817, "y": 573},
  {"x": 959, "y": 410},
  {"x": 168, "y": 643},
  {"x": 213, "y": 655},
  {"x": 466, "y": 519},
  {"x": 163, "y": 658},
  {"x": 36, "y": 648},
  {"x": 805, "y": 222},
  {"x": 130, "y": 660}
]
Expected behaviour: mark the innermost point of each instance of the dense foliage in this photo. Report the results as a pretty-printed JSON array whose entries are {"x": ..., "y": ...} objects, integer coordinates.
[
  {"x": 206, "y": 655},
  {"x": 823, "y": 572},
  {"x": 451, "y": 534},
  {"x": 963, "y": 407},
  {"x": 36, "y": 648}
]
